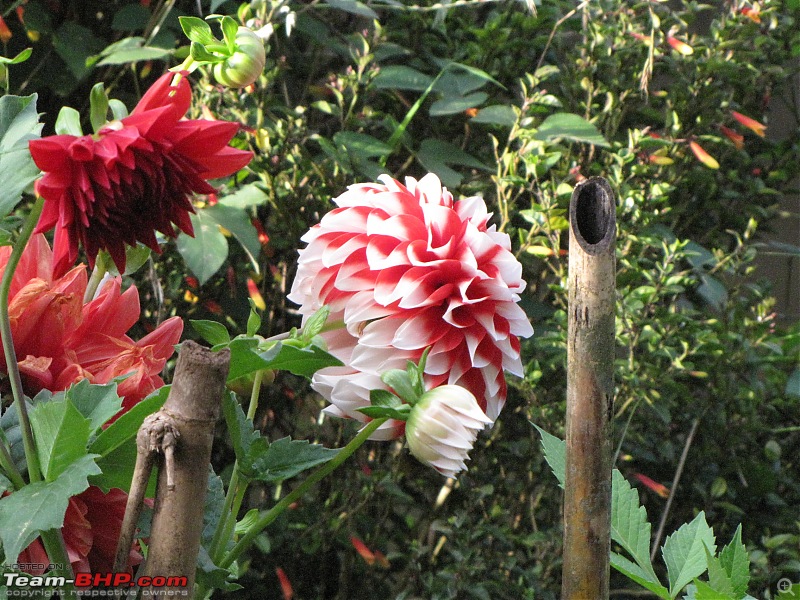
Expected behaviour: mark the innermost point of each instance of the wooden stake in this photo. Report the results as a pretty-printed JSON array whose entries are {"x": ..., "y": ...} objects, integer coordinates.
[
  {"x": 177, "y": 439},
  {"x": 590, "y": 392}
]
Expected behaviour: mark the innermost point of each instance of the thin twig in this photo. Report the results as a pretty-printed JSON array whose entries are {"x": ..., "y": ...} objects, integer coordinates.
[{"x": 675, "y": 480}]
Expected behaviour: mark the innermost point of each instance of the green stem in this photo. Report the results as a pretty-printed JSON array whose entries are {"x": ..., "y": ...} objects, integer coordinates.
[
  {"x": 234, "y": 496},
  {"x": 12, "y": 367},
  {"x": 298, "y": 492},
  {"x": 101, "y": 265},
  {"x": 52, "y": 539}
]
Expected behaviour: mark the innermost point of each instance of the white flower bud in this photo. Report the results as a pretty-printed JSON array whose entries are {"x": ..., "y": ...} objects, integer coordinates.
[{"x": 442, "y": 427}]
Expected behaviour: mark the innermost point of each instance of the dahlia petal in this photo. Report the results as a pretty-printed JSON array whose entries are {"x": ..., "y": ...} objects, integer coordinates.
[
  {"x": 50, "y": 153},
  {"x": 227, "y": 162},
  {"x": 163, "y": 93}
]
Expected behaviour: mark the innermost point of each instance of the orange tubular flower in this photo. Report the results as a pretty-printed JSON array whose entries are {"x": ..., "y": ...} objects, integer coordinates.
[
  {"x": 679, "y": 46},
  {"x": 133, "y": 177},
  {"x": 703, "y": 156},
  {"x": 654, "y": 486},
  {"x": 736, "y": 138},
  {"x": 758, "y": 128}
]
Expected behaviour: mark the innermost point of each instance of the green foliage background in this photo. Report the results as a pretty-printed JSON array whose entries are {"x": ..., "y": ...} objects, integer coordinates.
[{"x": 703, "y": 363}]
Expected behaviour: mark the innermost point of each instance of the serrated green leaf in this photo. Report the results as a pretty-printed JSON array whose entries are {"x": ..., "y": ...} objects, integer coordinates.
[
  {"x": 384, "y": 398},
  {"x": 736, "y": 562},
  {"x": 571, "y": 127},
  {"x": 635, "y": 573},
  {"x": 96, "y": 402},
  {"x": 300, "y": 361},
  {"x": 212, "y": 513},
  {"x": 12, "y": 432},
  {"x": 61, "y": 433},
  {"x": 700, "y": 590},
  {"x": 238, "y": 222},
  {"x": 41, "y": 506},
  {"x": 19, "y": 124},
  {"x": 285, "y": 458},
  {"x": 69, "y": 122},
  {"x": 684, "y": 553},
  {"x": 207, "y": 250},
  {"x": 718, "y": 579},
  {"x": 211, "y": 331},
  {"x": 213, "y": 577},
  {"x": 127, "y": 50},
  {"x": 240, "y": 428},
  {"x": 555, "y": 453},
  {"x": 629, "y": 525},
  {"x": 435, "y": 155},
  {"x": 244, "y": 357}
]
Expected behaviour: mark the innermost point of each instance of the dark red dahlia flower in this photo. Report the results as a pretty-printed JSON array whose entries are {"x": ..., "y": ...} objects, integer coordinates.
[{"x": 134, "y": 176}]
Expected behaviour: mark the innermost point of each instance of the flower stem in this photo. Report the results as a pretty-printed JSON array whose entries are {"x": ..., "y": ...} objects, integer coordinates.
[
  {"x": 236, "y": 489},
  {"x": 32, "y": 458},
  {"x": 298, "y": 492},
  {"x": 52, "y": 539},
  {"x": 99, "y": 271}
]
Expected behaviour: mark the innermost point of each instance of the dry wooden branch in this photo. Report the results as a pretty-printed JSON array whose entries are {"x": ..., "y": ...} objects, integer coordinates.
[
  {"x": 590, "y": 392},
  {"x": 177, "y": 440}
]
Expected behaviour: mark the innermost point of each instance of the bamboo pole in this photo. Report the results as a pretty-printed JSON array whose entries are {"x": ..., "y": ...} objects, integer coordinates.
[
  {"x": 178, "y": 440},
  {"x": 590, "y": 392}
]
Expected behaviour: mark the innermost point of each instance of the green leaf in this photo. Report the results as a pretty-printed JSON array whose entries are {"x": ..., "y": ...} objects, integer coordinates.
[
  {"x": 361, "y": 145},
  {"x": 286, "y": 457},
  {"x": 713, "y": 291},
  {"x": 244, "y": 357},
  {"x": 635, "y": 573},
  {"x": 703, "y": 591},
  {"x": 211, "y": 331},
  {"x": 41, "y": 506},
  {"x": 240, "y": 428},
  {"x": 401, "y": 383},
  {"x": 135, "y": 257},
  {"x": 12, "y": 432},
  {"x": 300, "y": 361},
  {"x": 629, "y": 525},
  {"x": 498, "y": 114},
  {"x": 119, "y": 111},
  {"x": 229, "y": 29},
  {"x": 572, "y": 127},
  {"x": 76, "y": 45},
  {"x": 379, "y": 412},
  {"x": 793, "y": 384},
  {"x": 197, "y": 30},
  {"x": 19, "y": 58},
  {"x": 215, "y": 500},
  {"x": 238, "y": 222},
  {"x": 133, "y": 17},
  {"x": 98, "y": 106},
  {"x": 456, "y": 104},
  {"x": 19, "y": 124},
  {"x": 718, "y": 579},
  {"x": 435, "y": 155},
  {"x": 400, "y": 77},
  {"x": 354, "y": 7},
  {"x": 207, "y": 250},
  {"x": 555, "y": 453},
  {"x": 315, "y": 323},
  {"x": 736, "y": 562},
  {"x": 123, "y": 430},
  {"x": 69, "y": 122},
  {"x": 245, "y": 196},
  {"x": 61, "y": 434},
  {"x": 96, "y": 402},
  {"x": 253, "y": 319},
  {"x": 127, "y": 50},
  {"x": 685, "y": 553}
]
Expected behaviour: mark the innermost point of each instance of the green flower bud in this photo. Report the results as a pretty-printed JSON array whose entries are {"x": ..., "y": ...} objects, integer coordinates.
[{"x": 247, "y": 62}]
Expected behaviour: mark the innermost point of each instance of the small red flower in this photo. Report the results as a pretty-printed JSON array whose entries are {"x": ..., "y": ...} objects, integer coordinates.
[
  {"x": 286, "y": 585},
  {"x": 654, "y": 486},
  {"x": 680, "y": 46},
  {"x": 736, "y": 138},
  {"x": 703, "y": 156},
  {"x": 134, "y": 177}
]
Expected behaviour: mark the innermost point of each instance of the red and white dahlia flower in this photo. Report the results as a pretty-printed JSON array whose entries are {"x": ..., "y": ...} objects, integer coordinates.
[
  {"x": 134, "y": 176},
  {"x": 404, "y": 268}
]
